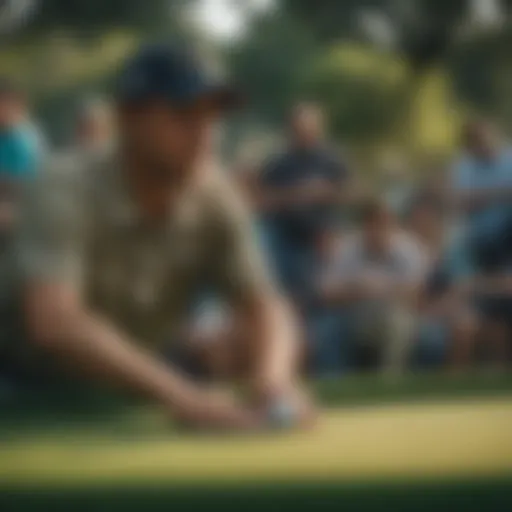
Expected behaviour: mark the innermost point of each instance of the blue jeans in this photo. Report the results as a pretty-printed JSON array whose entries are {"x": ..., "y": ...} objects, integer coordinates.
[
  {"x": 292, "y": 260},
  {"x": 431, "y": 346},
  {"x": 330, "y": 343}
]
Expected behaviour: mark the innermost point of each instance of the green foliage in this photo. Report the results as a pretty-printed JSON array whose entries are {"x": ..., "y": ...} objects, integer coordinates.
[
  {"x": 271, "y": 65},
  {"x": 97, "y": 15},
  {"x": 362, "y": 88}
]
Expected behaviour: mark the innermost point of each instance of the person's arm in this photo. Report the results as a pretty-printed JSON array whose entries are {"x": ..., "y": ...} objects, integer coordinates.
[
  {"x": 263, "y": 316},
  {"x": 274, "y": 196},
  {"x": 474, "y": 199},
  {"x": 497, "y": 285},
  {"x": 50, "y": 252},
  {"x": 358, "y": 283}
]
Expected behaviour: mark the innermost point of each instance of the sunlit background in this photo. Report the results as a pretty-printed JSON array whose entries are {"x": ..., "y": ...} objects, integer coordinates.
[{"x": 400, "y": 83}]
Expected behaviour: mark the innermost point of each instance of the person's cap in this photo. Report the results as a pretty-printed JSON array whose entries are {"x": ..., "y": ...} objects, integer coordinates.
[{"x": 174, "y": 74}]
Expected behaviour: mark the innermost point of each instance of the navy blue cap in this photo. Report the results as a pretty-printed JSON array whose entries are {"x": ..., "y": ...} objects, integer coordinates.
[{"x": 174, "y": 74}]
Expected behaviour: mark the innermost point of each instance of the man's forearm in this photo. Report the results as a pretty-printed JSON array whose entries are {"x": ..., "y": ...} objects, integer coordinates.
[{"x": 99, "y": 350}]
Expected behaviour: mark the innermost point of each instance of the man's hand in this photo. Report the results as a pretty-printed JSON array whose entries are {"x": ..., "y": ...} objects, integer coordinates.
[{"x": 214, "y": 410}]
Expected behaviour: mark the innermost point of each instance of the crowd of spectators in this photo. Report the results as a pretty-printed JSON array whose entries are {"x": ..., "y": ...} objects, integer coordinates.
[{"x": 387, "y": 284}]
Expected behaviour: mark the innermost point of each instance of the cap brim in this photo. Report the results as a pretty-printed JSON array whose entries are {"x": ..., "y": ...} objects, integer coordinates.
[{"x": 226, "y": 97}]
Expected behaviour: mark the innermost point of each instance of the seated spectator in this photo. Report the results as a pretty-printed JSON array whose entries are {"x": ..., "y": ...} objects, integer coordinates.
[
  {"x": 299, "y": 192},
  {"x": 490, "y": 290},
  {"x": 370, "y": 291},
  {"x": 448, "y": 322}
]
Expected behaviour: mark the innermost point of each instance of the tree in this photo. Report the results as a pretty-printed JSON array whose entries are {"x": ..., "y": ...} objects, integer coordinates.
[{"x": 95, "y": 16}]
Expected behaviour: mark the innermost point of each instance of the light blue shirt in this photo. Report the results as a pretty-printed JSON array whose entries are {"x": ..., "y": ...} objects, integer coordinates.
[{"x": 472, "y": 175}]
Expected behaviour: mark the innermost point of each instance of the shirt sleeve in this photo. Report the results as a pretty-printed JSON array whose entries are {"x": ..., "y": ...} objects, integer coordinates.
[
  {"x": 344, "y": 265},
  {"x": 239, "y": 265},
  {"x": 50, "y": 237}
]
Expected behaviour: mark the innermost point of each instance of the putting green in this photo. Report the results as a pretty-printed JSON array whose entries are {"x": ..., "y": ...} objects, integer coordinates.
[{"x": 452, "y": 439}]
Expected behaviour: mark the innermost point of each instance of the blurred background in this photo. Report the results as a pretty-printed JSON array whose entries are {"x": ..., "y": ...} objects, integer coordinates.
[{"x": 388, "y": 122}]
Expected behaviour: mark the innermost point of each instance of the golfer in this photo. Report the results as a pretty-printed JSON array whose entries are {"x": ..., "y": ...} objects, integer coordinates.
[{"x": 113, "y": 254}]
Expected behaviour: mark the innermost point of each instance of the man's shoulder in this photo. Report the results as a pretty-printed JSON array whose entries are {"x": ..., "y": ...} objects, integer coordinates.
[
  {"x": 73, "y": 165},
  {"x": 219, "y": 204}
]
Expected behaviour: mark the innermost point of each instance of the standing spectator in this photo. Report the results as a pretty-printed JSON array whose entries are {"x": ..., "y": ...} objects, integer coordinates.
[
  {"x": 94, "y": 128},
  {"x": 299, "y": 192},
  {"x": 481, "y": 186},
  {"x": 92, "y": 135},
  {"x": 374, "y": 282}
]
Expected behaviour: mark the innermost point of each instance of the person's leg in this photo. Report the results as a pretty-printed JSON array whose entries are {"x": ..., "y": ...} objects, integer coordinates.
[
  {"x": 329, "y": 342},
  {"x": 282, "y": 257},
  {"x": 464, "y": 329},
  {"x": 496, "y": 330},
  {"x": 431, "y": 343},
  {"x": 398, "y": 331}
]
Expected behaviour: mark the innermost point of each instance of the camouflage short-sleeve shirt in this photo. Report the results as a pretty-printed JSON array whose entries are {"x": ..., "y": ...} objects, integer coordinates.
[{"x": 80, "y": 227}]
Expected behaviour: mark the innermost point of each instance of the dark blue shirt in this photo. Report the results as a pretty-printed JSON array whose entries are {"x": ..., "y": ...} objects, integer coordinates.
[{"x": 299, "y": 166}]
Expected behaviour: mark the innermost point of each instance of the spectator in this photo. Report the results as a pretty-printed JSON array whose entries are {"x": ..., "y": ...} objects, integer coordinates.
[
  {"x": 374, "y": 281},
  {"x": 448, "y": 323},
  {"x": 299, "y": 191},
  {"x": 92, "y": 135},
  {"x": 482, "y": 188},
  {"x": 20, "y": 147},
  {"x": 94, "y": 130}
]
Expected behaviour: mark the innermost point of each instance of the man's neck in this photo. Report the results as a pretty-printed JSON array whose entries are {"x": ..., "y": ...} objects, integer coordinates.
[{"x": 154, "y": 190}]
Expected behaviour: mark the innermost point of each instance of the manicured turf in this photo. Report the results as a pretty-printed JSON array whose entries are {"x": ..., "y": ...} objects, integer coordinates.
[
  {"x": 409, "y": 444},
  {"x": 467, "y": 439}
]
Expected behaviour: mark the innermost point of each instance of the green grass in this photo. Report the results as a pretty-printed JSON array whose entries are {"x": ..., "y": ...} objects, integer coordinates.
[
  {"x": 69, "y": 407},
  {"x": 71, "y": 402}
]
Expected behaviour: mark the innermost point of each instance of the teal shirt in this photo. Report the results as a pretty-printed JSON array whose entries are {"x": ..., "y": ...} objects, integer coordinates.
[{"x": 20, "y": 152}]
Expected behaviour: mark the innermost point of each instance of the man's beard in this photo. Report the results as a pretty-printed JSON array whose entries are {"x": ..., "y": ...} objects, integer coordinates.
[{"x": 162, "y": 172}]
